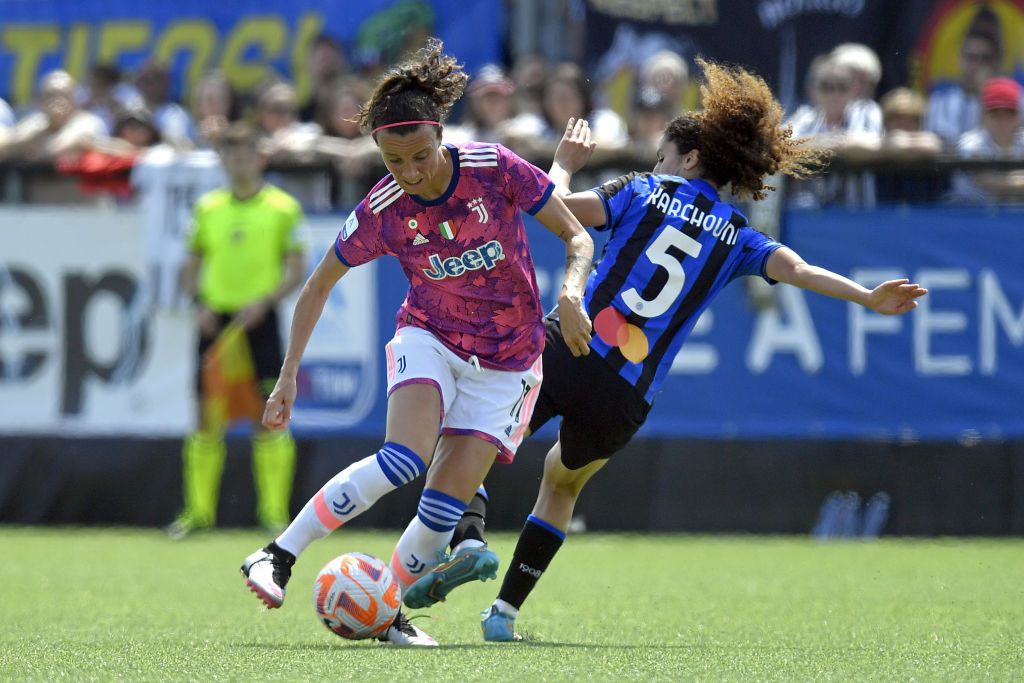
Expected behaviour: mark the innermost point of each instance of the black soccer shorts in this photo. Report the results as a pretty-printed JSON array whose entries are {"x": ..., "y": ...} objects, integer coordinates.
[
  {"x": 600, "y": 410},
  {"x": 264, "y": 344}
]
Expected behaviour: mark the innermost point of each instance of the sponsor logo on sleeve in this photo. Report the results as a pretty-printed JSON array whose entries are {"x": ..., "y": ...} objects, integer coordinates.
[{"x": 351, "y": 225}]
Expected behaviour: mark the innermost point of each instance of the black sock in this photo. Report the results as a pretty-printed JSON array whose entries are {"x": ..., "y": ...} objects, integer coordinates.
[
  {"x": 472, "y": 524},
  {"x": 538, "y": 543},
  {"x": 281, "y": 553}
]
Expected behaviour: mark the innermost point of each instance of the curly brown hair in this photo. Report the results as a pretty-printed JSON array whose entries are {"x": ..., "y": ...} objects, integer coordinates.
[
  {"x": 425, "y": 88},
  {"x": 740, "y": 135}
]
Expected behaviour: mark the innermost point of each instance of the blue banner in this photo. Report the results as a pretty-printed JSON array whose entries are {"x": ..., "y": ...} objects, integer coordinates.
[
  {"x": 241, "y": 39},
  {"x": 821, "y": 368}
]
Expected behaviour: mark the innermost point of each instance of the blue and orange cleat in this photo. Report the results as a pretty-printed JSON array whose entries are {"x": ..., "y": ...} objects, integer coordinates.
[
  {"x": 474, "y": 564},
  {"x": 498, "y": 627}
]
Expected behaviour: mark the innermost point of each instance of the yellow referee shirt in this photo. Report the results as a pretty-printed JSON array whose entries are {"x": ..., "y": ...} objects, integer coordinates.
[{"x": 243, "y": 245}]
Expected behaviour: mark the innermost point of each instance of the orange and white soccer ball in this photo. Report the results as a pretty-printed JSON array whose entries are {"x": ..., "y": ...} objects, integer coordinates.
[{"x": 356, "y": 596}]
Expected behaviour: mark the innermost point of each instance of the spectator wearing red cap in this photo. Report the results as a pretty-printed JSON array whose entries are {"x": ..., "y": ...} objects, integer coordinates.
[{"x": 1000, "y": 136}]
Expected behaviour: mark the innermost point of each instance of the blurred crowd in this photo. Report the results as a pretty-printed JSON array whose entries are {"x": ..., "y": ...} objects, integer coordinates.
[
  {"x": 977, "y": 117},
  {"x": 95, "y": 131}
]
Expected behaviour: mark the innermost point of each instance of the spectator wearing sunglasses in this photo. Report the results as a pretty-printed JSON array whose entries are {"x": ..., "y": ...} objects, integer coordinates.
[{"x": 829, "y": 122}]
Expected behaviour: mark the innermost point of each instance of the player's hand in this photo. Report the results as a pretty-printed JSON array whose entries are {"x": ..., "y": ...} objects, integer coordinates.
[
  {"x": 895, "y": 297},
  {"x": 278, "y": 411},
  {"x": 575, "y": 324},
  {"x": 253, "y": 314},
  {"x": 209, "y": 324},
  {"x": 576, "y": 146}
]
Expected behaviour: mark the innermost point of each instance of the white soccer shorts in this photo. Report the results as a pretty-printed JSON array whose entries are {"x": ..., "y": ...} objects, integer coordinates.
[{"x": 494, "y": 405}]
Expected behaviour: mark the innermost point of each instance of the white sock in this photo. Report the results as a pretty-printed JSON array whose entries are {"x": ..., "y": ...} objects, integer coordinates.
[
  {"x": 467, "y": 544},
  {"x": 506, "y": 609},
  {"x": 350, "y": 493},
  {"x": 427, "y": 535}
]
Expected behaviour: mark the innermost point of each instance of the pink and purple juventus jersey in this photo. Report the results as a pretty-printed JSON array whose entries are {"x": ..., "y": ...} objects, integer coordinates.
[{"x": 471, "y": 278}]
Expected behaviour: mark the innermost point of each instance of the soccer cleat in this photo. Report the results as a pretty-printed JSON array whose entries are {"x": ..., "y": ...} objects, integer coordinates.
[
  {"x": 404, "y": 633},
  {"x": 498, "y": 627},
  {"x": 470, "y": 565},
  {"x": 266, "y": 573}
]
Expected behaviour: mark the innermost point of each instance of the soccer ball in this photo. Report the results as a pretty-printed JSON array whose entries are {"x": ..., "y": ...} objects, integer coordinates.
[{"x": 356, "y": 596}]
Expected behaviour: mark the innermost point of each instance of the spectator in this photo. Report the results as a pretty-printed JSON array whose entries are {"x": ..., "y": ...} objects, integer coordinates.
[
  {"x": 105, "y": 169},
  {"x": 866, "y": 71},
  {"x": 903, "y": 122},
  {"x": 567, "y": 95},
  {"x": 108, "y": 95},
  {"x": 665, "y": 77},
  {"x": 529, "y": 73},
  {"x": 343, "y": 140},
  {"x": 287, "y": 141},
  {"x": 214, "y": 107},
  {"x": 58, "y": 128},
  {"x": 905, "y": 140},
  {"x": 827, "y": 121},
  {"x": 830, "y": 91},
  {"x": 339, "y": 113},
  {"x": 137, "y": 127},
  {"x": 954, "y": 109},
  {"x": 651, "y": 116},
  {"x": 172, "y": 120},
  {"x": 491, "y": 108},
  {"x": 325, "y": 63},
  {"x": 1000, "y": 136},
  {"x": 527, "y": 127},
  {"x": 284, "y": 137}
]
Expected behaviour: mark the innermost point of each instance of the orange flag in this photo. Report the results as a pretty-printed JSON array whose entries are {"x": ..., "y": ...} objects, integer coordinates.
[{"x": 230, "y": 391}]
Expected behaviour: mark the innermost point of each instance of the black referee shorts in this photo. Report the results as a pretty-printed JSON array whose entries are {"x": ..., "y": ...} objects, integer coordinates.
[
  {"x": 600, "y": 410},
  {"x": 264, "y": 344}
]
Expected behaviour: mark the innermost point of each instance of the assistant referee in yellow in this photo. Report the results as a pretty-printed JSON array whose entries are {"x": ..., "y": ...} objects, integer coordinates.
[{"x": 246, "y": 253}]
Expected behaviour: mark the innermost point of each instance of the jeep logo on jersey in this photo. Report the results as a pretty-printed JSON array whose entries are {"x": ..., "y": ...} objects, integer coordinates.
[{"x": 485, "y": 256}]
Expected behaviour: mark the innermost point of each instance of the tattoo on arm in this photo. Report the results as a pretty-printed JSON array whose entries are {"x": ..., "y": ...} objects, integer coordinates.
[{"x": 577, "y": 267}]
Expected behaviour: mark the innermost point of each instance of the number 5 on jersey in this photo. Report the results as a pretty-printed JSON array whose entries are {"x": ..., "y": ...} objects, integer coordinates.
[{"x": 658, "y": 254}]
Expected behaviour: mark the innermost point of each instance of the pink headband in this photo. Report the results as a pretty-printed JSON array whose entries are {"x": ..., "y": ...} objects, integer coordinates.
[{"x": 403, "y": 123}]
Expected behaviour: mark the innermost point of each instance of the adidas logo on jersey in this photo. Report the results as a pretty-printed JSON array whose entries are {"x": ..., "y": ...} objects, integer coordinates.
[
  {"x": 419, "y": 239},
  {"x": 485, "y": 256}
]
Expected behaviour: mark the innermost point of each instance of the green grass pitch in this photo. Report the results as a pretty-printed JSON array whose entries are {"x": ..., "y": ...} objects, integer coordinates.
[{"x": 91, "y": 604}]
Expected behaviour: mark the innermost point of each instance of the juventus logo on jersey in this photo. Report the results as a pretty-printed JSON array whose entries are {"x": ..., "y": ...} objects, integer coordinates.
[{"x": 477, "y": 205}]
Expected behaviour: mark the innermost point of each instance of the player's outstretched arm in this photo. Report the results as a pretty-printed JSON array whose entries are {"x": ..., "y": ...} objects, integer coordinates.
[
  {"x": 579, "y": 250},
  {"x": 893, "y": 297},
  {"x": 574, "y": 150},
  {"x": 307, "y": 312}
]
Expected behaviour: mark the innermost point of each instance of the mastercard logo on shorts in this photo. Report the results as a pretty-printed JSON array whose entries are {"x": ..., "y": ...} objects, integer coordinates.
[{"x": 612, "y": 328}]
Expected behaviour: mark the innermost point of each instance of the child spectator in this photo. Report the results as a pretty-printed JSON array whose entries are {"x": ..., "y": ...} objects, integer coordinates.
[{"x": 1000, "y": 136}]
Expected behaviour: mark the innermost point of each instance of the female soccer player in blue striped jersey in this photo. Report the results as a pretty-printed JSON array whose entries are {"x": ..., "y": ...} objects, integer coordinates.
[{"x": 674, "y": 245}]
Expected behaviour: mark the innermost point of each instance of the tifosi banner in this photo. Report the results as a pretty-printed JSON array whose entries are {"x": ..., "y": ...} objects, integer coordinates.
[{"x": 244, "y": 40}]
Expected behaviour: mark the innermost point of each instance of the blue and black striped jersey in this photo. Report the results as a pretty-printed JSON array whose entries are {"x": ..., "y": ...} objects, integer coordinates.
[{"x": 673, "y": 246}]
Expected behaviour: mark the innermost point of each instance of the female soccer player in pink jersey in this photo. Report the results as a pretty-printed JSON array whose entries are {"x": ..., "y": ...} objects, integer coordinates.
[{"x": 464, "y": 365}]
